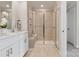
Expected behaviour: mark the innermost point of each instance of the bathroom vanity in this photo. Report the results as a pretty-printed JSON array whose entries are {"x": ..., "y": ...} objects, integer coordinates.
[{"x": 13, "y": 44}]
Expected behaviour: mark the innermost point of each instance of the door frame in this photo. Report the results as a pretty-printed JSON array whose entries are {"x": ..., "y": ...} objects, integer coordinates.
[{"x": 62, "y": 28}]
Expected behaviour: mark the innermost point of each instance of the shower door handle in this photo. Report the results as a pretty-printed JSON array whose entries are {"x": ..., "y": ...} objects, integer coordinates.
[
  {"x": 43, "y": 30},
  {"x": 44, "y": 26}
]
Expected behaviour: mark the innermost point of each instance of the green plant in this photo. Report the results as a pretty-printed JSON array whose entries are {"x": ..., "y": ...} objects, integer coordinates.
[{"x": 3, "y": 25}]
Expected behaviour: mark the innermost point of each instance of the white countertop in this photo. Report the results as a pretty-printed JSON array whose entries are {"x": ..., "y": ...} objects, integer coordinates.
[
  {"x": 3, "y": 36},
  {"x": 9, "y": 38}
]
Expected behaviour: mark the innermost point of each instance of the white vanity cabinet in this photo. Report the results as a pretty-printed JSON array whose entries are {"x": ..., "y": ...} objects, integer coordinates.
[
  {"x": 22, "y": 44},
  {"x": 11, "y": 51},
  {"x": 13, "y": 45}
]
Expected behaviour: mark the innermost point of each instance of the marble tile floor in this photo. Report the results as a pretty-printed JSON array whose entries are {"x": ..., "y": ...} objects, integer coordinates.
[
  {"x": 42, "y": 49},
  {"x": 72, "y": 51}
]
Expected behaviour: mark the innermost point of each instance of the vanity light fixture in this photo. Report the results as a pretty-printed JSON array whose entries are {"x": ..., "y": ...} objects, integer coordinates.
[{"x": 42, "y": 5}]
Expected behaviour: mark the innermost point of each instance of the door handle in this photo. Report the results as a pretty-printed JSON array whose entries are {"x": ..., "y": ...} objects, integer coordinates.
[
  {"x": 68, "y": 28},
  {"x": 7, "y": 53},
  {"x": 62, "y": 30}
]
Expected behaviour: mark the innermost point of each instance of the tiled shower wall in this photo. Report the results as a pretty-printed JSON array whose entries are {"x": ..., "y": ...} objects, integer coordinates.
[{"x": 42, "y": 23}]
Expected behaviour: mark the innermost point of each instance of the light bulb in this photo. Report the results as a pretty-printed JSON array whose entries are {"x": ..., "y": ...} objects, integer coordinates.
[
  {"x": 42, "y": 5},
  {"x": 7, "y": 6}
]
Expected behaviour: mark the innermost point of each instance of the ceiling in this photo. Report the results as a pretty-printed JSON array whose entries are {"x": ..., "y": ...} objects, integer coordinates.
[
  {"x": 37, "y": 4},
  {"x": 4, "y": 3}
]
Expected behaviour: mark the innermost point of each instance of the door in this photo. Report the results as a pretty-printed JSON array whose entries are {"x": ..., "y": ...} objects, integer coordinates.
[
  {"x": 62, "y": 29},
  {"x": 71, "y": 19}
]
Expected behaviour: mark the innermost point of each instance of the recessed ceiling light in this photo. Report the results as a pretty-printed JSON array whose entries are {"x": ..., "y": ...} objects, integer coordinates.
[
  {"x": 42, "y": 5},
  {"x": 7, "y": 6}
]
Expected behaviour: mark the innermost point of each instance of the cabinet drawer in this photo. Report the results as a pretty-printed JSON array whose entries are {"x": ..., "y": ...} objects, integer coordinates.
[{"x": 11, "y": 51}]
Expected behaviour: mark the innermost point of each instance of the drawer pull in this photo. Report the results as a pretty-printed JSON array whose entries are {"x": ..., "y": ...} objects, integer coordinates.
[
  {"x": 7, "y": 53},
  {"x": 10, "y": 51}
]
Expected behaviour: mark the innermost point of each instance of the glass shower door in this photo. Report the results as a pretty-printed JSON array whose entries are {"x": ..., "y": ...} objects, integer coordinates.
[{"x": 45, "y": 26}]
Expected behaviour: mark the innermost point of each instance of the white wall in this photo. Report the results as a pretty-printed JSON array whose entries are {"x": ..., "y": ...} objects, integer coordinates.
[
  {"x": 71, "y": 22},
  {"x": 77, "y": 22},
  {"x": 62, "y": 22},
  {"x": 19, "y": 12}
]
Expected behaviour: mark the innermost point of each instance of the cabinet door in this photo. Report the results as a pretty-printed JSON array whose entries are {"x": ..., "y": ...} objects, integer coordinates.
[
  {"x": 0, "y": 53},
  {"x": 15, "y": 50},
  {"x": 26, "y": 43},
  {"x": 22, "y": 45},
  {"x": 11, "y": 51}
]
